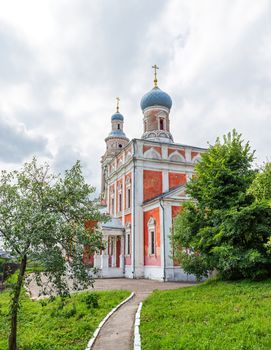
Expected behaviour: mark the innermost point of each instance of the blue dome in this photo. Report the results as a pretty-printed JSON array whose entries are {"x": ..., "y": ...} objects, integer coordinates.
[
  {"x": 117, "y": 116},
  {"x": 156, "y": 97},
  {"x": 117, "y": 133}
]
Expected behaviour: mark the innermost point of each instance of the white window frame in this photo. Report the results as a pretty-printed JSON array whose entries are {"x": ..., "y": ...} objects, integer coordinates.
[
  {"x": 128, "y": 190},
  {"x": 128, "y": 239},
  {"x": 151, "y": 228}
]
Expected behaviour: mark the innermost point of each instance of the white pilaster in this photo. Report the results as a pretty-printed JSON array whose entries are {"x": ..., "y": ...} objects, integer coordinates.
[
  {"x": 165, "y": 181},
  {"x": 188, "y": 154},
  {"x": 138, "y": 229}
]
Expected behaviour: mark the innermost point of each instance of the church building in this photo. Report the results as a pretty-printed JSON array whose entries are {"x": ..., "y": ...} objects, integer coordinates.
[{"x": 143, "y": 189}]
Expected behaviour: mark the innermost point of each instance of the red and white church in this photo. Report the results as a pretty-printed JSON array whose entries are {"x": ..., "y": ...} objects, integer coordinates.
[{"x": 143, "y": 188}]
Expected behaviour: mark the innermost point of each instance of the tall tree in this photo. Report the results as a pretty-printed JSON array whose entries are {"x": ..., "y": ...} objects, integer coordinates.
[
  {"x": 222, "y": 228},
  {"x": 260, "y": 189},
  {"x": 42, "y": 218}
]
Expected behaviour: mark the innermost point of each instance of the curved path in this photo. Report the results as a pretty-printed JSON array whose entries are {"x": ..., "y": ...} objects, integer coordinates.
[{"x": 117, "y": 333}]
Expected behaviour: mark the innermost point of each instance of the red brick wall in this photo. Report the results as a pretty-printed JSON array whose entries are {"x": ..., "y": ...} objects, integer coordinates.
[
  {"x": 152, "y": 184},
  {"x": 175, "y": 210},
  {"x": 152, "y": 259},
  {"x": 176, "y": 179}
]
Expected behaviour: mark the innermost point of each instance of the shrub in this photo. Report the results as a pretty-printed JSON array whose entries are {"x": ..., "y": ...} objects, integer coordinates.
[{"x": 92, "y": 300}]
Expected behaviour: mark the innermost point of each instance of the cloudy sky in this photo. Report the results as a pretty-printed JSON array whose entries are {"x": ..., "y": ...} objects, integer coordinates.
[{"x": 62, "y": 63}]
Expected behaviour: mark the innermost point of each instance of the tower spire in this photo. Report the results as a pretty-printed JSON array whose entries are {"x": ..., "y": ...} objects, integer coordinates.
[
  {"x": 118, "y": 104},
  {"x": 155, "y": 67}
]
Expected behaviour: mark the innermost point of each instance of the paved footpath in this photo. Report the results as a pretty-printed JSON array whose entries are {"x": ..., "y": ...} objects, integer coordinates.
[{"x": 117, "y": 333}]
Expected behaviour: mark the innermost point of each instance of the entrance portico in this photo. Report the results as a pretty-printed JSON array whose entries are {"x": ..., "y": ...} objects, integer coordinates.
[{"x": 110, "y": 263}]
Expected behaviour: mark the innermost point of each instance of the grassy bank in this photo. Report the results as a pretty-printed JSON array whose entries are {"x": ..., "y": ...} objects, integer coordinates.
[
  {"x": 55, "y": 325},
  {"x": 216, "y": 315}
]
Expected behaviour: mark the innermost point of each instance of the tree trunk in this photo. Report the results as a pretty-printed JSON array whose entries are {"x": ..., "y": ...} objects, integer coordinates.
[{"x": 15, "y": 305}]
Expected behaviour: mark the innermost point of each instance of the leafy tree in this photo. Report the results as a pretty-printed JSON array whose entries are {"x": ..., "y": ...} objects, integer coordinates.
[
  {"x": 260, "y": 189},
  {"x": 261, "y": 186},
  {"x": 42, "y": 218},
  {"x": 222, "y": 228}
]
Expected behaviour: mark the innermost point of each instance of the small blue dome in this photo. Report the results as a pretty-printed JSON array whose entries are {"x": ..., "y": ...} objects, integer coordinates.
[
  {"x": 117, "y": 116},
  {"x": 156, "y": 97}
]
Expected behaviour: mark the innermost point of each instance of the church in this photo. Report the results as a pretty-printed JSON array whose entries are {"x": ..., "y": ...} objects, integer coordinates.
[{"x": 143, "y": 189}]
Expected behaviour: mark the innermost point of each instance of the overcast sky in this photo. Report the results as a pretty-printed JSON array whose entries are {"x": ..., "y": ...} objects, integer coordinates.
[{"x": 62, "y": 63}]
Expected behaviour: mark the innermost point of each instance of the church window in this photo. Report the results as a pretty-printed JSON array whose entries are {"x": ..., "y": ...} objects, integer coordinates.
[
  {"x": 128, "y": 238},
  {"x": 128, "y": 243},
  {"x": 161, "y": 124},
  {"x": 120, "y": 202},
  {"x": 151, "y": 236},
  {"x": 112, "y": 205},
  {"x": 129, "y": 198},
  {"x": 118, "y": 126},
  {"x": 128, "y": 193},
  {"x": 152, "y": 245}
]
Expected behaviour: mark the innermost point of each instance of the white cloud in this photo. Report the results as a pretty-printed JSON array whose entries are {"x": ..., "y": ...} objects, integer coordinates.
[{"x": 62, "y": 64}]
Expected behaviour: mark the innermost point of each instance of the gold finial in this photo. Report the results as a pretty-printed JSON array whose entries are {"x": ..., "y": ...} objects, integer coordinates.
[
  {"x": 155, "y": 67},
  {"x": 118, "y": 104}
]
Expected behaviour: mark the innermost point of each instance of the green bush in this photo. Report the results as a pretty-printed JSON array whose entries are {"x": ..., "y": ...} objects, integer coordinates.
[{"x": 92, "y": 300}]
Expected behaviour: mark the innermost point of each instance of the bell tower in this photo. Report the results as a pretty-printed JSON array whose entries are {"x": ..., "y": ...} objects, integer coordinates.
[
  {"x": 115, "y": 142},
  {"x": 156, "y": 105}
]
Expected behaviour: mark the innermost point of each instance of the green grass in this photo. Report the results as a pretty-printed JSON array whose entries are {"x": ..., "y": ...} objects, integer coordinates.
[
  {"x": 45, "y": 325},
  {"x": 213, "y": 316}
]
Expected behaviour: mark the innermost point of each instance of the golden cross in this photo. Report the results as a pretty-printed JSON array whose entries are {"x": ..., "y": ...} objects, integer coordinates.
[
  {"x": 155, "y": 67},
  {"x": 118, "y": 103}
]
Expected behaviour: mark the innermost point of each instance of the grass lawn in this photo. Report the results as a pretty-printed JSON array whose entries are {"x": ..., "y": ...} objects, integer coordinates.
[
  {"x": 214, "y": 315},
  {"x": 45, "y": 325}
]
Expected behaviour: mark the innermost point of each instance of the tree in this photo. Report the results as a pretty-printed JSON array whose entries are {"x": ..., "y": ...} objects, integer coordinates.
[
  {"x": 260, "y": 189},
  {"x": 42, "y": 218},
  {"x": 222, "y": 228}
]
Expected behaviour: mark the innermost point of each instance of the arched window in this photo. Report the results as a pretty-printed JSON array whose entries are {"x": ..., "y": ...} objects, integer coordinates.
[
  {"x": 151, "y": 236},
  {"x": 161, "y": 120},
  {"x": 128, "y": 238},
  {"x": 118, "y": 126},
  {"x": 128, "y": 193}
]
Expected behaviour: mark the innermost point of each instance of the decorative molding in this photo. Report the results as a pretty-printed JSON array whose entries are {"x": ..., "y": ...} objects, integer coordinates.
[
  {"x": 176, "y": 156},
  {"x": 152, "y": 154},
  {"x": 156, "y": 134},
  {"x": 151, "y": 222}
]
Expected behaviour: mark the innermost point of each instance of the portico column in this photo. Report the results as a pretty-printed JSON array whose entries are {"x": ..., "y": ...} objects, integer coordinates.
[{"x": 122, "y": 252}]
